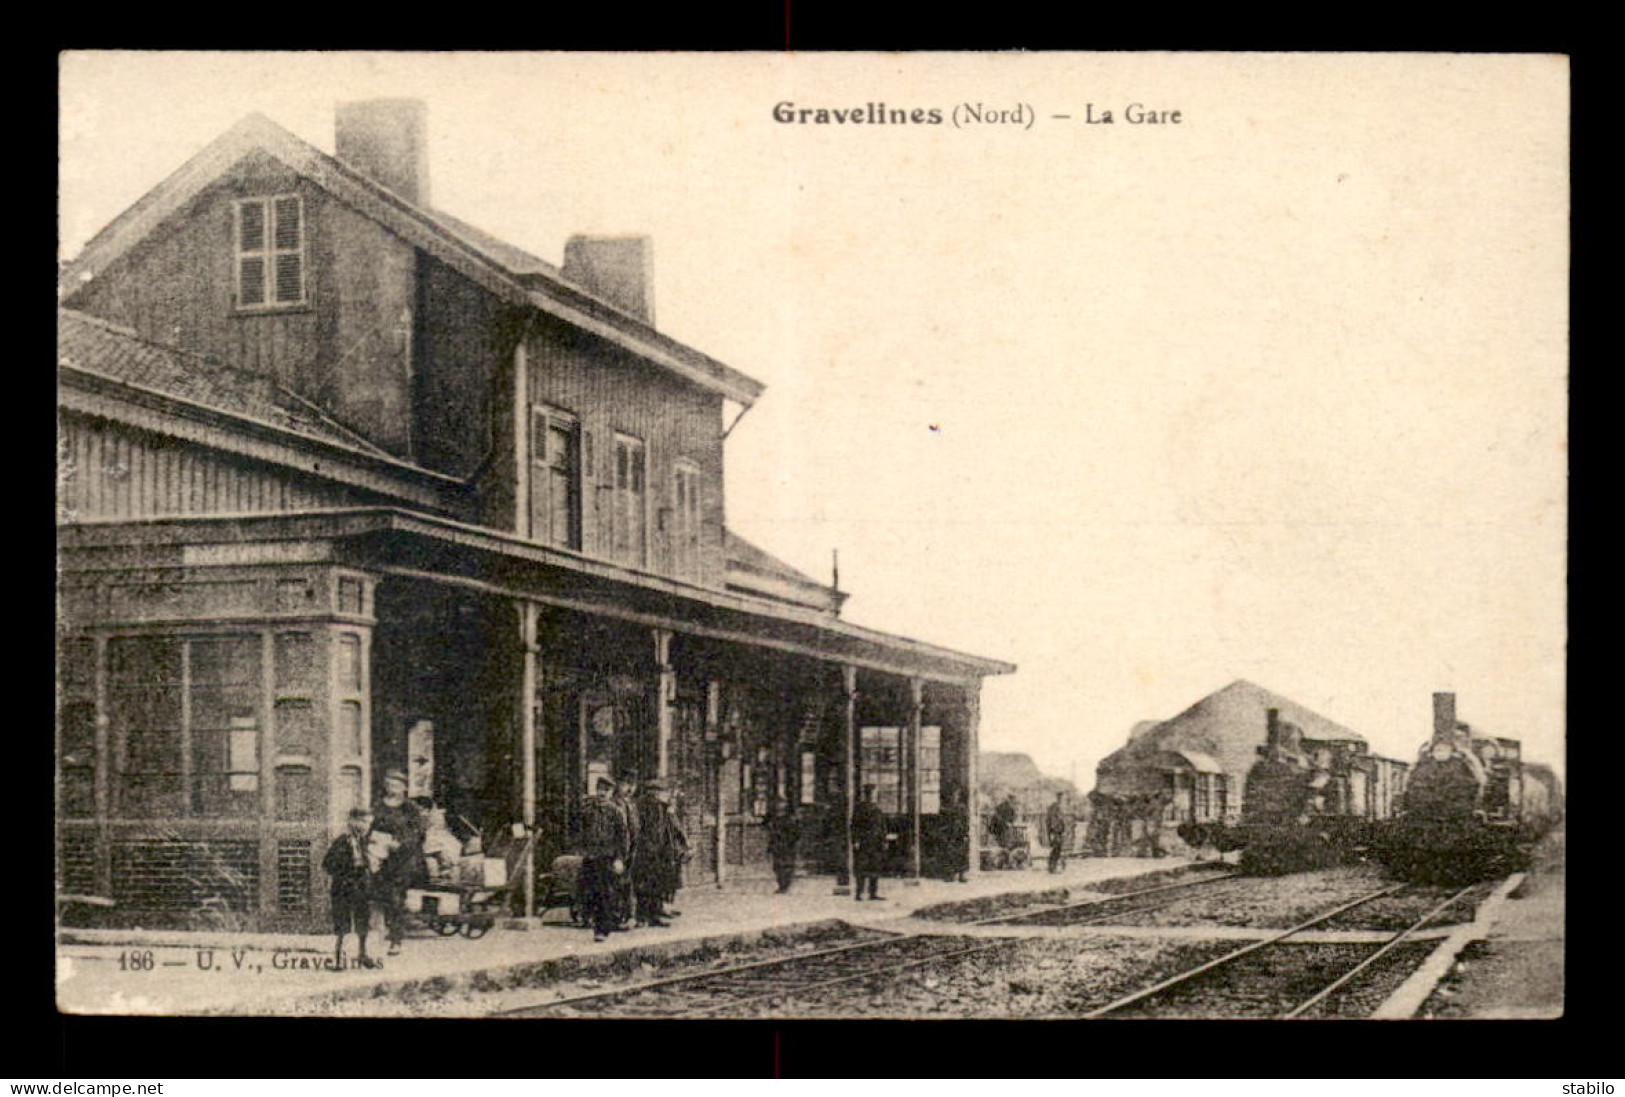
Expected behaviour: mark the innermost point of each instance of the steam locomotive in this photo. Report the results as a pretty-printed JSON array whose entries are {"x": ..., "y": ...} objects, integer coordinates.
[
  {"x": 1312, "y": 803},
  {"x": 1469, "y": 808},
  {"x": 1473, "y": 806}
]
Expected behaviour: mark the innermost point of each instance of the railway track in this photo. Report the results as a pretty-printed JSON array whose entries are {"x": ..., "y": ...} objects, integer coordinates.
[
  {"x": 1094, "y": 911},
  {"x": 699, "y": 993},
  {"x": 1274, "y": 977}
]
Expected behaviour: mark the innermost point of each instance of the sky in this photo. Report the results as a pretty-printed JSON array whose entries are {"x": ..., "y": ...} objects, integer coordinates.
[{"x": 1275, "y": 392}]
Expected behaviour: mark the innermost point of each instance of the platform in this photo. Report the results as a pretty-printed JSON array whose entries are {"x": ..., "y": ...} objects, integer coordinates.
[
  {"x": 107, "y": 971},
  {"x": 1513, "y": 968}
]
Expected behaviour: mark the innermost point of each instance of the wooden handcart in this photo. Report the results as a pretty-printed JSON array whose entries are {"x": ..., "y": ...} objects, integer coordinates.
[{"x": 470, "y": 905}]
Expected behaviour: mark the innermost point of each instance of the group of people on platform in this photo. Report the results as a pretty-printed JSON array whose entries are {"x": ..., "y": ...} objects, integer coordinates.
[
  {"x": 379, "y": 855},
  {"x": 632, "y": 855}
]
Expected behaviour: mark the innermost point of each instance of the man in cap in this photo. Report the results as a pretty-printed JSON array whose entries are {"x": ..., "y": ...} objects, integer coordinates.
[
  {"x": 1055, "y": 828},
  {"x": 605, "y": 848},
  {"x": 655, "y": 858},
  {"x": 626, "y": 791},
  {"x": 403, "y": 821},
  {"x": 868, "y": 844}
]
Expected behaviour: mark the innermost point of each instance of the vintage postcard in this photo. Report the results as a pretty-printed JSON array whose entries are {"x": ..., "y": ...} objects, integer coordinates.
[{"x": 940, "y": 535}]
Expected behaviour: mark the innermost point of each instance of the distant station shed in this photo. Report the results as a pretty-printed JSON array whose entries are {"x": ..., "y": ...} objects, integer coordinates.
[{"x": 1192, "y": 769}]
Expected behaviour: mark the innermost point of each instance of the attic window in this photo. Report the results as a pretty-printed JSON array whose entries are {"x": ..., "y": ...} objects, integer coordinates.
[{"x": 270, "y": 241}]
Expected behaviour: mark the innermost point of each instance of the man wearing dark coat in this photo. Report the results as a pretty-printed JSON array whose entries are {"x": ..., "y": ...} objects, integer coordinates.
[
  {"x": 605, "y": 849},
  {"x": 346, "y": 864},
  {"x": 1004, "y": 821},
  {"x": 783, "y": 832},
  {"x": 1055, "y": 833},
  {"x": 625, "y": 801},
  {"x": 673, "y": 885},
  {"x": 868, "y": 844},
  {"x": 404, "y": 822},
  {"x": 657, "y": 855}
]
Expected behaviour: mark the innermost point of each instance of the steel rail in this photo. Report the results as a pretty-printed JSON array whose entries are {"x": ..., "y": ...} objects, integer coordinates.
[
  {"x": 1245, "y": 950},
  {"x": 1012, "y": 919},
  {"x": 722, "y": 973},
  {"x": 889, "y": 969},
  {"x": 1393, "y": 942},
  {"x": 655, "y": 984}
]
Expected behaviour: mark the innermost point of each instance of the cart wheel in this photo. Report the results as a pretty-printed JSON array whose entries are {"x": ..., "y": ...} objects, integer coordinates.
[
  {"x": 474, "y": 930},
  {"x": 445, "y": 928}
]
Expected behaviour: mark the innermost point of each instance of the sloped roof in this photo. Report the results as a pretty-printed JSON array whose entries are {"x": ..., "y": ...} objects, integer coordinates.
[
  {"x": 1227, "y": 726},
  {"x": 94, "y": 346},
  {"x": 1007, "y": 768},
  {"x": 511, "y": 273},
  {"x": 759, "y": 572},
  {"x": 744, "y": 554},
  {"x": 1012, "y": 770},
  {"x": 1143, "y": 728},
  {"x": 515, "y": 259},
  {"x": 1200, "y": 762}
]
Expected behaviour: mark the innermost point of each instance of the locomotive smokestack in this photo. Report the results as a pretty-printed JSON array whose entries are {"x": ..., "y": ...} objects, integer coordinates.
[
  {"x": 1444, "y": 717},
  {"x": 1272, "y": 735}
]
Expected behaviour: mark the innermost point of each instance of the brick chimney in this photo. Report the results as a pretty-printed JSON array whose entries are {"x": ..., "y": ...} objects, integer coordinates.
[
  {"x": 387, "y": 141},
  {"x": 620, "y": 269},
  {"x": 1444, "y": 717}
]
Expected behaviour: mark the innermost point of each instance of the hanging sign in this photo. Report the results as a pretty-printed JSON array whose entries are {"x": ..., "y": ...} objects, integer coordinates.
[{"x": 420, "y": 759}]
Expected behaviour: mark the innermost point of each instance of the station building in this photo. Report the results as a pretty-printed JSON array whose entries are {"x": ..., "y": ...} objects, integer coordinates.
[{"x": 348, "y": 485}]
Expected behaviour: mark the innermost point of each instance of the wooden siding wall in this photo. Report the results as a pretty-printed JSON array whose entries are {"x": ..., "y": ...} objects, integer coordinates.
[
  {"x": 346, "y": 350},
  {"x": 464, "y": 342},
  {"x": 610, "y": 391},
  {"x": 110, "y": 471}
]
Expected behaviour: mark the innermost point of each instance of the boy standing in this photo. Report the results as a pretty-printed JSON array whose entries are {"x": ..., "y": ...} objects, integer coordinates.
[{"x": 346, "y": 863}]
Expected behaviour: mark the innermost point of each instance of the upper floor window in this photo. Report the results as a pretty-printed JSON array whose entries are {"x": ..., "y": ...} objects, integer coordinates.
[
  {"x": 685, "y": 536},
  {"x": 631, "y": 502},
  {"x": 270, "y": 252},
  {"x": 555, "y": 478}
]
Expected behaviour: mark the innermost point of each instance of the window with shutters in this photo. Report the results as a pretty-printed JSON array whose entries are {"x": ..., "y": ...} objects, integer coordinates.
[
  {"x": 631, "y": 502},
  {"x": 685, "y": 536},
  {"x": 555, "y": 478},
  {"x": 270, "y": 239}
]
